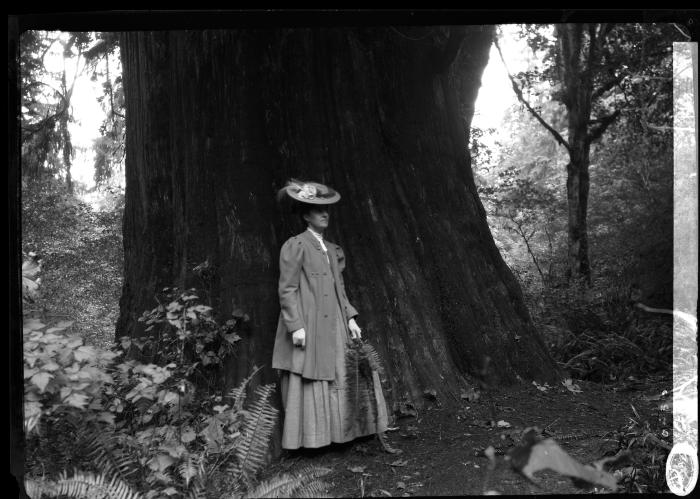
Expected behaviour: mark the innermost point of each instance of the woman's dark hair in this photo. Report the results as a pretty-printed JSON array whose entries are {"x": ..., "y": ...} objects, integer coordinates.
[{"x": 301, "y": 209}]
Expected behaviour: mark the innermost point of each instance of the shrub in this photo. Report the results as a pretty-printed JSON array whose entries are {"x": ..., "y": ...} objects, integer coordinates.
[{"x": 131, "y": 428}]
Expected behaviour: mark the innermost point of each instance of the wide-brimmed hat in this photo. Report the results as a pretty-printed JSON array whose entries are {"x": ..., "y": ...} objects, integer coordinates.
[{"x": 309, "y": 192}]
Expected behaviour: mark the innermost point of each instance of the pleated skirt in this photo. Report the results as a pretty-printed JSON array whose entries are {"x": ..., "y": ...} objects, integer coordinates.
[{"x": 316, "y": 411}]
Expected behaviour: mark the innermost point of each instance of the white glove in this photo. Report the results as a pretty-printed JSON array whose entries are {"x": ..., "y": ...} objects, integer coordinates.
[
  {"x": 355, "y": 331},
  {"x": 299, "y": 338}
]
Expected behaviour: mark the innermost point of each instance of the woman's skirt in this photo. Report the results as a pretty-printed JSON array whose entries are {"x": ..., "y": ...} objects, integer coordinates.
[{"x": 316, "y": 412}]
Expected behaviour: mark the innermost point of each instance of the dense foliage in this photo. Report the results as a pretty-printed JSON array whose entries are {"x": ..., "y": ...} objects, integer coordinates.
[
  {"x": 593, "y": 330},
  {"x": 137, "y": 429}
]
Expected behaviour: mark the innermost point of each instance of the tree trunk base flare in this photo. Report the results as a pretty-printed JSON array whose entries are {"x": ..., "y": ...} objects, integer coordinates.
[{"x": 218, "y": 120}]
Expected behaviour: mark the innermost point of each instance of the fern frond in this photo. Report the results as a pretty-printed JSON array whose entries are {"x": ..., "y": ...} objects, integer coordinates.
[
  {"x": 36, "y": 488},
  {"x": 105, "y": 452},
  {"x": 191, "y": 466},
  {"x": 239, "y": 483},
  {"x": 277, "y": 486},
  {"x": 237, "y": 394},
  {"x": 359, "y": 386},
  {"x": 316, "y": 488},
  {"x": 83, "y": 485},
  {"x": 197, "y": 491},
  {"x": 375, "y": 362},
  {"x": 303, "y": 483},
  {"x": 257, "y": 431},
  {"x": 311, "y": 485}
]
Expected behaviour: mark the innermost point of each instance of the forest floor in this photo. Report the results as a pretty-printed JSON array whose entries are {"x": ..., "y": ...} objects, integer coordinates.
[{"x": 440, "y": 445}]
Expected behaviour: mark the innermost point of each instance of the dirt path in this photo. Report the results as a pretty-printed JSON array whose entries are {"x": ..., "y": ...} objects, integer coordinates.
[{"x": 440, "y": 445}]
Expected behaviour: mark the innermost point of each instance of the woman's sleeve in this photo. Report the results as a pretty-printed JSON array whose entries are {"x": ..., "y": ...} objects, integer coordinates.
[
  {"x": 350, "y": 311},
  {"x": 290, "y": 271}
]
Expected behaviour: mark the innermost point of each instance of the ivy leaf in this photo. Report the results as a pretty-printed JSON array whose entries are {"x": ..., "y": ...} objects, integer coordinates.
[
  {"x": 77, "y": 400},
  {"x": 174, "y": 306},
  {"x": 30, "y": 289},
  {"x": 232, "y": 338},
  {"x": 84, "y": 352},
  {"x": 188, "y": 435},
  {"x": 160, "y": 462},
  {"x": 106, "y": 417},
  {"x": 51, "y": 366},
  {"x": 41, "y": 379},
  {"x": 32, "y": 325}
]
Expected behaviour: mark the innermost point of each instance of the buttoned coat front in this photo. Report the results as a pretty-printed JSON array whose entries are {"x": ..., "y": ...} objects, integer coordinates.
[{"x": 310, "y": 289}]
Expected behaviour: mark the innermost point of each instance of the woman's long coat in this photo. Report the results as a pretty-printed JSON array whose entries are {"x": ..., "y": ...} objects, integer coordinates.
[{"x": 309, "y": 288}]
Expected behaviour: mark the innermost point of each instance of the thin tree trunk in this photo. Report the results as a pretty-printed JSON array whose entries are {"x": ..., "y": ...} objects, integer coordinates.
[
  {"x": 217, "y": 121},
  {"x": 575, "y": 64},
  {"x": 65, "y": 134}
]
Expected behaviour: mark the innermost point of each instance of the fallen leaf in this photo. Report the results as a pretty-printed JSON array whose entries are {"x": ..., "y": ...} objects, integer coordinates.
[
  {"x": 470, "y": 395},
  {"x": 358, "y": 469},
  {"x": 542, "y": 388},
  {"x": 535, "y": 456},
  {"x": 503, "y": 424},
  {"x": 569, "y": 385},
  {"x": 386, "y": 493},
  {"x": 492, "y": 493},
  {"x": 399, "y": 463}
]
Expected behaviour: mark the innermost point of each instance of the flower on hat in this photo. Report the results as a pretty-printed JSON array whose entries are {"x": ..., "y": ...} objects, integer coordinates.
[{"x": 307, "y": 191}]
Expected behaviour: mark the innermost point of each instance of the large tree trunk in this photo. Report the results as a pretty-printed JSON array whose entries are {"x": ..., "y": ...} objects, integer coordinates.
[{"x": 217, "y": 121}]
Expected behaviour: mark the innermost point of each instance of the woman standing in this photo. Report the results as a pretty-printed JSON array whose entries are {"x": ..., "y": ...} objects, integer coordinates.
[{"x": 316, "y": 322}]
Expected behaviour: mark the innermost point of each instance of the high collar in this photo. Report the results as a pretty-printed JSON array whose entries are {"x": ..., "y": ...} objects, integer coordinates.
[{"x": 318, "y": 235}]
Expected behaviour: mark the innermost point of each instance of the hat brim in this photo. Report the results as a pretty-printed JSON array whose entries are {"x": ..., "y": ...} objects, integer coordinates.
[{"x": 329, "y": 197}]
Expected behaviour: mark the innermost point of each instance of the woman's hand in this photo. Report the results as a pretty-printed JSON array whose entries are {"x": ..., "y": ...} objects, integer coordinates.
[
  {"x": 299, "y": 338},
  {"x": 355, "y": 331}
]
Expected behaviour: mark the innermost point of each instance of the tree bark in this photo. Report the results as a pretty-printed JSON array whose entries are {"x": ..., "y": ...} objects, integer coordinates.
[
  {"x": 217, "y": 121},
  {"x": 66, "y": 144},
  {"x": 577, "y": 58}
]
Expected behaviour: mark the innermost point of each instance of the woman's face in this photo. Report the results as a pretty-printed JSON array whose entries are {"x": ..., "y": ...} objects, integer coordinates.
[{"x": 317, "y": 218}]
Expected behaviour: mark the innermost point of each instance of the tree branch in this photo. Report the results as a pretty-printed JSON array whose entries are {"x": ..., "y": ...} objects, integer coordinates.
[
  {"x": 686, "y": 35},
  {"x": 602, "y": 124},
  {"x": 521, "y": 98},
  {"x": 605, "y": 87}
]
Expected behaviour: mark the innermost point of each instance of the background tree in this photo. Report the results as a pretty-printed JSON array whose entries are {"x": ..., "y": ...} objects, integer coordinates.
[
  {"x": 109, "y": 146},
  {"x": 217, "y": 121},
  {"x": 592, "y": 69},
  {"x": 591, "y": 327}
]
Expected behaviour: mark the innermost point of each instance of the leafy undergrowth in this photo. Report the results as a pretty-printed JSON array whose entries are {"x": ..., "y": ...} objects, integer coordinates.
[
  {"x": 442, "y": 447},
  {"x": 81, "y": 256}
]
